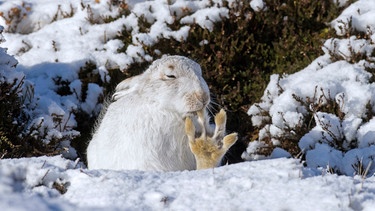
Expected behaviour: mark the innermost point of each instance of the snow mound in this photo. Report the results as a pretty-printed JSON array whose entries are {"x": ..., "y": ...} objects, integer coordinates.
[{"x": 56, "y": 183}]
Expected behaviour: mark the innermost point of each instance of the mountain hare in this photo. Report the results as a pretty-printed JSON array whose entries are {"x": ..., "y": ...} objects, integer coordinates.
[{"x": 144, "y": 127}]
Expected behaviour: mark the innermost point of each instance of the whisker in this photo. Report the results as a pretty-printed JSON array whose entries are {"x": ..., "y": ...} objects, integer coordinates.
[
  {"x": 213, "y": 98},
  {"x": 215, "y": 106},
  {"x": 213, "y": 103},
  {"x": 209, "y": 109}
]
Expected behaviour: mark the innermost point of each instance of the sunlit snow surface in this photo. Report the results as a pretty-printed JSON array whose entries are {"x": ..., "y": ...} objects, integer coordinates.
[{"x": 277, "y": 184}]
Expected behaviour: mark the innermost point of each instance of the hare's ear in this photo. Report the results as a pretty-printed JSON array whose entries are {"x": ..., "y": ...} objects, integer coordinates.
[{"x": 126, "y": 86}]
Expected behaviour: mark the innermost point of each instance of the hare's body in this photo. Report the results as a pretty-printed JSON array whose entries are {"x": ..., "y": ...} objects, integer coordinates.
[
  {"x": 144, "y": 127},
  {"x": 146, "y": 144}
]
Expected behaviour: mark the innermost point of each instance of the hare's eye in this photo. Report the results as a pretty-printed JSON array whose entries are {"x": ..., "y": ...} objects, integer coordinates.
[{"x": 171, "y": 76}]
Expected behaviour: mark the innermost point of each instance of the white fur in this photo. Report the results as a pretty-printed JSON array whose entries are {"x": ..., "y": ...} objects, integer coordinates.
[{"x": 144, "y": 127}]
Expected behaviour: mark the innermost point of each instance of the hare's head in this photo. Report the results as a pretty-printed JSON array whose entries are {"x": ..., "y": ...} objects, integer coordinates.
[{"x": 174, "y": 83}]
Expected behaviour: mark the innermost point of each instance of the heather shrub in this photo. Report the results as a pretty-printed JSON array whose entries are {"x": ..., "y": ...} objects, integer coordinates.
[{"x": 318, "y": 113}]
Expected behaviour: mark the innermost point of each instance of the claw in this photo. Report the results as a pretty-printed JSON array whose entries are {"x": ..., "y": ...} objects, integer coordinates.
[
  {"x": 189, "y": 129},
  {"x": 220, "y": 121},
  {"x": 202, "y": 123},
  {"x": 221, "y": 118},
  {"x": 229, "y": 140}
]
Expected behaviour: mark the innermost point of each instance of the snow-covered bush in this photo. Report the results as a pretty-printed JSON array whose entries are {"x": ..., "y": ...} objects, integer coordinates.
[
  {"x": 58, "y": 91},
  {"x": 34, "y": 109},
  {"x": 39, "y": 103},
  {"x": 326, "y": 111},
  {"x": 10, "y": 103}
]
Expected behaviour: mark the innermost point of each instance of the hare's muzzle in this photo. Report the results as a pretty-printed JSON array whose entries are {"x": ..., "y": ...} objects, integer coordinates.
[{"x": 197, "y": 101}]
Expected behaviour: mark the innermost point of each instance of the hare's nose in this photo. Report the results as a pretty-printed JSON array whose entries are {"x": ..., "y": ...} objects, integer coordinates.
[{"x": 203, "y": 97}]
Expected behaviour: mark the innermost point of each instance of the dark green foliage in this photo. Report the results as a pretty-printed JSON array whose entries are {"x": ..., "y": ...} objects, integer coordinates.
[
  {"x": 10, "y": 109},
  {"x": 16, "y": 140},
  {"x": 19, "y": 137},
  {"x": 85, "y": 122},
  {"x": 89, "y": 74},
  {"x": 63, "y": 88}
]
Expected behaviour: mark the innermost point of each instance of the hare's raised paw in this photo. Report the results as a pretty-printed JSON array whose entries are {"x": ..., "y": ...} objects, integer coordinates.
[{"x": 209, "y": 151}]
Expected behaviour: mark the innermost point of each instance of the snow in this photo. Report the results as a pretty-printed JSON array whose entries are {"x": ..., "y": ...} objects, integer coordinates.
[
  {"x": 257, "y": 5},
  {"x": 52, "y": 41},
  {"x": 276, "y": 184},
  {"x": 361, "y": 14}
]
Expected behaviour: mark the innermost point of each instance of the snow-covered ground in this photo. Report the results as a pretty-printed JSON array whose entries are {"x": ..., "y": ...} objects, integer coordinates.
[
  {"x": 276, "y": 184},
  {"x": 53, "y": 40}
]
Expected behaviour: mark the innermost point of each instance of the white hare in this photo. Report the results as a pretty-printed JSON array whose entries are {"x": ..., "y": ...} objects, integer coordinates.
[
  {"x": 144, "y": 127},
  {"x": 149, "y": 125}
]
